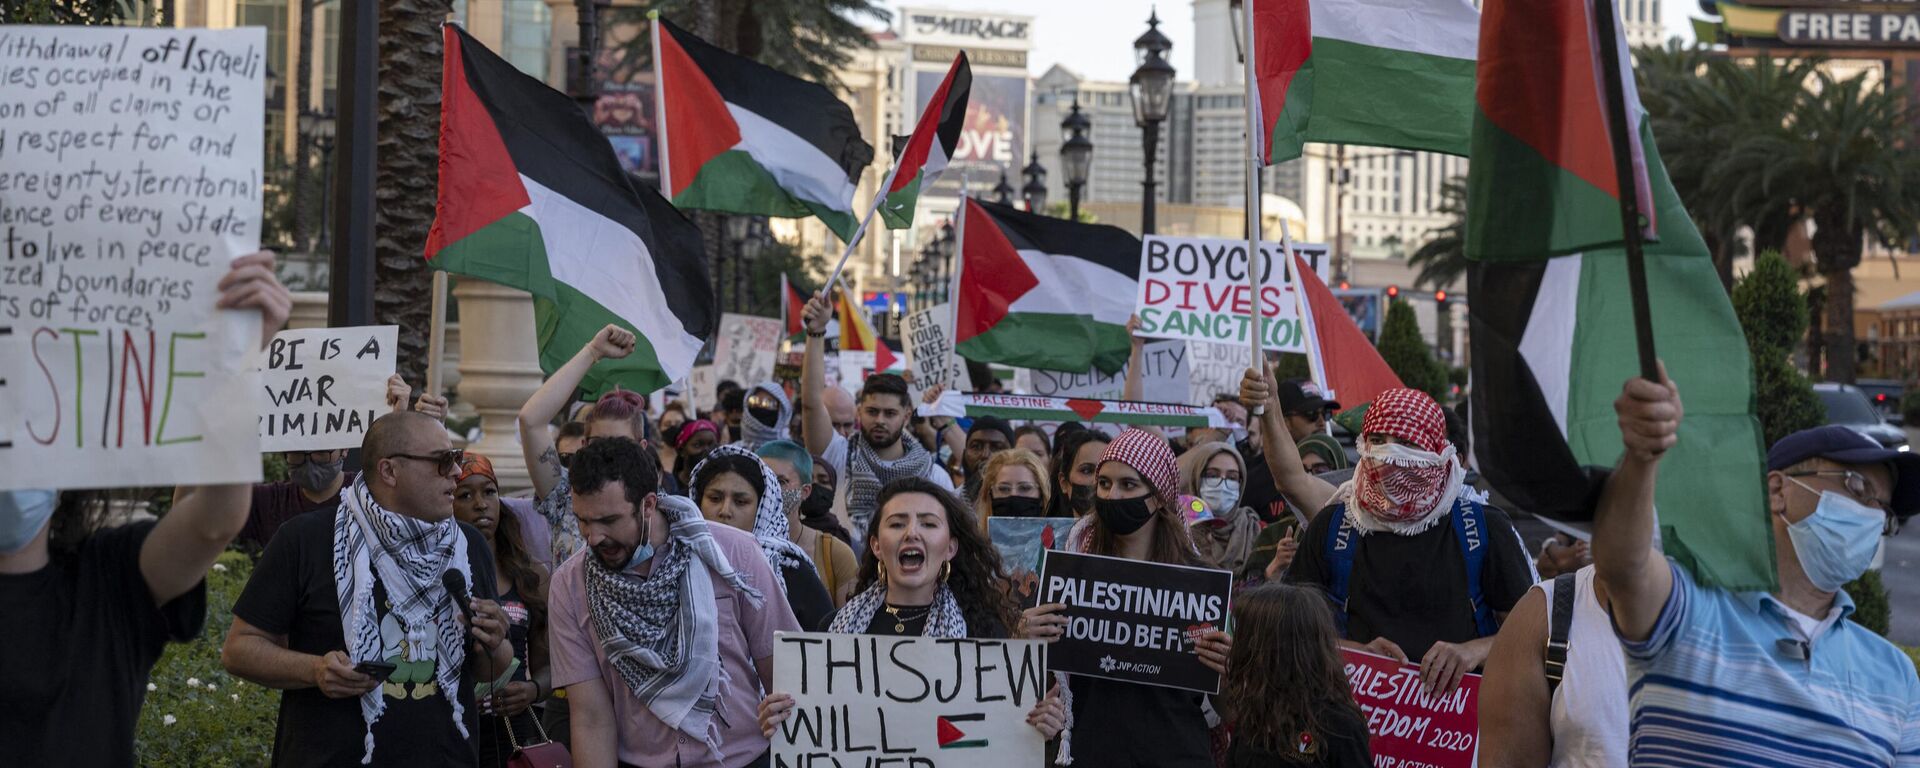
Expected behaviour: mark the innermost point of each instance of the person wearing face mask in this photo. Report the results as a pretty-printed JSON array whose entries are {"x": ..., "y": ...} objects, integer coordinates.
[
  {"x": 767, "y": 416},
  {"x": 1076, "y": 459},
  {"x": 1798, "y": 683},
  {"x": 697, "y": 439},
  {"x": 987, "y": 436},
  {"x": 832, "y": 557},
  {"x": 1113, "y": 723},
  {"x": 1011, "y": 486},
  {"x": 734, "y": 487},
  {"x": 1215, "y": 473},
  {"x": 817, "y": 507},
  {"x": 662, "y": 629}
]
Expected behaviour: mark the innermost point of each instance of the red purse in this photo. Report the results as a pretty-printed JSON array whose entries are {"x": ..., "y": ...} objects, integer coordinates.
[{"x": 547, "y": 754}]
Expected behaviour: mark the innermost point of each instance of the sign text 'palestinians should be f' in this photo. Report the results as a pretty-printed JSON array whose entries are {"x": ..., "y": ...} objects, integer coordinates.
[{"x": 1134, "y": 621}]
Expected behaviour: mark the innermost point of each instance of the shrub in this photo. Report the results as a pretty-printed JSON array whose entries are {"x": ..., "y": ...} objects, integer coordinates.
[
  {"x": 1870, "y": 607},
  {"x": 1406, "y": 352},
  {"x": 1773, "y": 314},
  {"x": 1784, "y": 399},
  {"x": 196, "y": 713},
  {"x": 1910, "y": 407}
]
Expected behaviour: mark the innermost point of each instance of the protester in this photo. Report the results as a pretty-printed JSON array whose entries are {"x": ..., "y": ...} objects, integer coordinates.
[
  {"x": 732, "y": 407},
  {"x": 1555, "y": 688},
  {"x": 521, "y": 584},
  {"x": 92, "y": 606},
  {"x": 734, "y": 487},
  {"x": 768, "y": 412},
  {"x": 1320, "y": 453},
  {"x": 817, "y": 510},
  {"x": 663, "y": 627},
  {"x": 697, "y": 439},
  {"x": 1214, "y": 472},
  {"x": 878, "y": 453},
  {"x": 1032, "y": 438},
  {"x": 1305, "y": 408},
  {"x": 1076, "y": 459},
  {"x": 1417, "y": 566},
  {"x": 832, "y": 558},
  {"x": 929, "y": 573},
  {"x": 365, "y": 583},
  {"x": 987, "y": 436},
  {"x": 840, "y": 412},
  {"x": 1288, "y": 697},
  {"x": 1012, "y": 485},
  {"x": 1782, "y": 677},
  {"x": 1112, "y": 723},
  {"x": 569, "y": 439}
]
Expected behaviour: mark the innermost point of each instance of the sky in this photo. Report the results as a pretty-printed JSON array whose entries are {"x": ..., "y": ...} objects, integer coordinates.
[{"x": 1095, "y": 37}]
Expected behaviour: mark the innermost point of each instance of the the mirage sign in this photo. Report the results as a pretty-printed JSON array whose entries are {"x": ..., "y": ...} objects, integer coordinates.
[{"x": 967, "y": 29}]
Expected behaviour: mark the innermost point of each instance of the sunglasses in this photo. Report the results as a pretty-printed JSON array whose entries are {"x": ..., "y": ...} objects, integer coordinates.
[{"x": 446, "y": 462}]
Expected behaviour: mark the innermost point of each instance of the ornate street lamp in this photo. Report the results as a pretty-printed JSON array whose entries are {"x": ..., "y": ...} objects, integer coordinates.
[
  {"x": 1003, "y": 192},
  {"x": 1152, "y": 90},
  {"x": 318, "y": 129},
  {"x": 1035, "y": 190},
  {"x": 1076, "y": 155}
]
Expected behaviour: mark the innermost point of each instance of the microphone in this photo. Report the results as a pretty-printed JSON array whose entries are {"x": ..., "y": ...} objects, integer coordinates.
[
  {"x": 456, "y": 585},
  {"x": 1794, "y": 649}
]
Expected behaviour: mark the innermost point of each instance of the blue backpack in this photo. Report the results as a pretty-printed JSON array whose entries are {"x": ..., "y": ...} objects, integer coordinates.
[{"x": 1469, "y": 520}]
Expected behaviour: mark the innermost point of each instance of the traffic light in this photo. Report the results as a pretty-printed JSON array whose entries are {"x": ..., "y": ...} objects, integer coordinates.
[
  {"x": 1440, "y": 300},
  {"x": 1344, "y": 285},
  {"x": 1393, "y": 292}
]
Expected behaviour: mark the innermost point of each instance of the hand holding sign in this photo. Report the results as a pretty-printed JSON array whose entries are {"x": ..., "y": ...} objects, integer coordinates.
[
  {"x": 251, "y": 284},
  {"x": 1447, "y": 663},
  {"x": 1045, "y": 622}
]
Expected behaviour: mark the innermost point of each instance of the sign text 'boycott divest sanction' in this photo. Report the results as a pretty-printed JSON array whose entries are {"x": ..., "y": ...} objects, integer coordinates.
[{"x": 1195, "y": 288}]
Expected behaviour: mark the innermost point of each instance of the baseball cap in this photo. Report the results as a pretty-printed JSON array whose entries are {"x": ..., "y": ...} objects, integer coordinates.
[
  {"x": 1304, "y": 396},
  {"x": 1844, "y": 446}
]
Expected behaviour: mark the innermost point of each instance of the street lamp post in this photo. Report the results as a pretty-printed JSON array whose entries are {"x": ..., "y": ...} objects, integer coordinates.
[
  {"x": 744, "y": 258},
  {"x": 1152, "y": 90},
  {"x": 737, "y": 226},
  {"x": 1003, "y": 192},
  {"x": 318, "y": 128},
  {"x": 1035, "y": 190},
  {"x": 1076, "y": 153}
]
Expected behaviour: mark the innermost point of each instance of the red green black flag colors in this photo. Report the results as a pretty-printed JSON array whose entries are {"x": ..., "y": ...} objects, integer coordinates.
[
  {"x": 931, "y": 146},
  {"x": 1041, "y": 292}
]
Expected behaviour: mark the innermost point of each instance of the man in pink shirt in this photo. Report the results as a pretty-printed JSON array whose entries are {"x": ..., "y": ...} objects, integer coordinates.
[{"x": 662, "y": 630}]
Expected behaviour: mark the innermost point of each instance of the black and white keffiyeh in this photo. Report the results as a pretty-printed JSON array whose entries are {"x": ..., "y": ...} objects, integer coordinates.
[
  {"x": 867, "y": 473},
  {"x": 943, "y": 618},
  {"x": 770, "y": 518},
  {"x": 409, "y": 556},
  {"x": 755, "y": 434},
  {"x": 660, "y": 631}
]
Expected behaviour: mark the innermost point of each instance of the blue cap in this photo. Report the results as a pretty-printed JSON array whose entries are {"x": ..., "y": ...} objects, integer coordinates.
[{"x": 1844, "y": 446}]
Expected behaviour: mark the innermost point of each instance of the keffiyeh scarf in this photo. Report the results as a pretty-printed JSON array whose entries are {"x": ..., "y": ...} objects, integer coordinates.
[
  {"x": 867, "y": 473},
  {"x": 770, "y": 519},
  {"x": 409, "y": 556},
  {"x": 943, "y": 619},
  {"x": 755, "y": 434},
  {"x": 661, "y": 631},
  {"x": 1401, "y": 489}
]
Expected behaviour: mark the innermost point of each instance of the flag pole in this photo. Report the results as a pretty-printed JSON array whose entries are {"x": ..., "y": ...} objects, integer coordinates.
[
  {"x": 660, "y": 112},
  {"x": 1621, "y": 137},
  {"x": 1309, "y": 333},
  {"x": 437, "y": 332},
  {"x": 1254, "y": 164},
  {"x": 879, "y": 196}
]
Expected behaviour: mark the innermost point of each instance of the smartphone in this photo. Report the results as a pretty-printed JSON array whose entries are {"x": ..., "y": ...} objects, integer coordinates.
[{"x": 378, "y": 670}]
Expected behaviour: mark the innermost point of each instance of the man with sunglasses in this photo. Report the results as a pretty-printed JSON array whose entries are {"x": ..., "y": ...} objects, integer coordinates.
[
  {"x": 1783, "y": 676},
  {"x": 349, "y": 614}
]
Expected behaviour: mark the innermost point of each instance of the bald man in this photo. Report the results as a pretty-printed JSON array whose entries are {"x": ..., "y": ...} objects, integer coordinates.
[{"x": 840, "y": 411}]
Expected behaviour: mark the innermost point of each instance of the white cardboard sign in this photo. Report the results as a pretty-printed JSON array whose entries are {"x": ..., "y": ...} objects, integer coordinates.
[
  {"x": 745, "y": 349},
  {"x": 320, "y": 388},
  {"x": 1195, "y": 288},
  {"x": 930, "y": 354}
]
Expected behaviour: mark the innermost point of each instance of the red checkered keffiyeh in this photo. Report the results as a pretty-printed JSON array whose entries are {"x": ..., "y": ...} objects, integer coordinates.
[
  {"x": 1403, "y": 488},
  {"x": 1149, "y": 455},
  {"x": 1410, "y": 415}
]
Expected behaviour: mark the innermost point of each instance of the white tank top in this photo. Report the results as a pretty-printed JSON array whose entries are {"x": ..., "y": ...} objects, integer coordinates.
[{"x": 1589, "y": 715}]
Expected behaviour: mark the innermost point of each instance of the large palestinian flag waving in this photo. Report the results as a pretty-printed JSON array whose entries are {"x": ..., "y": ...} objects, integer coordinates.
[
  {"x": 1041, "y": 292},
  {"x": 930, "y": 147},
  {"x": 740, "y": 136},
  {"x": 531, "y": 196},
  {"x": 1553, "y": 338}
]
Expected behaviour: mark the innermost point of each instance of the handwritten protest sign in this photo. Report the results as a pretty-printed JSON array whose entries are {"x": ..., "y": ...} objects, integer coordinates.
[
  {"x": 129, "y": 179},
  {"x": 744, "y": 349},
  {"x": 907, "y": 702},
  {"x": 1022, "y": 541},
  {"x": 700, "y": 383},
  {"x": 1196, "y": 288},
  {"x": 1135, "y": 621},
  {"x": 855, "y": 366},
  {"x": 1215, "y": 369},
  {"x": 1407, "y": 727},
  {"x": 930, "y": 356},
  {"x": 1163, "y": 378},
  {"x": 321, "y": 387}
]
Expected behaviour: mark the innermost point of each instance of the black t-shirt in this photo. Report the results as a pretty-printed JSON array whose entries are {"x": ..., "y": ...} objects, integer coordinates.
[
  {"x": 276, "y": 503},
  {"x": 82, "y": 636},
  {"x": 292, "y": 593},
  {"x": 1412, "y": 590},
  {"x": 1259, "y": 491},
  {"x": 808, "y": 598},
  {"x": 1127, "y": 725},
  {"x": 1344, "y": 745}
]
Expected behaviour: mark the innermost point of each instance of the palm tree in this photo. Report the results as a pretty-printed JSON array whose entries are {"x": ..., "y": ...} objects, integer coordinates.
[
  {"x": 809, "y": 39},
  {"x": 1443, "y": 258},
  {"x": 407, "y": 145}
]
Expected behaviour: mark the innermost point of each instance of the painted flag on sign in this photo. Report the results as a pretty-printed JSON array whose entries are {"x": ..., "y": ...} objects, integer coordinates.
[
  {"x": 531, "y": 196},
  {"x": 931, "y": 146},
  {"x": 739, "y": 136},
  {"x": 949, "y": 735},
  {"x": 1553, "y": 338},
  {"x": 1041, "y": 292}
]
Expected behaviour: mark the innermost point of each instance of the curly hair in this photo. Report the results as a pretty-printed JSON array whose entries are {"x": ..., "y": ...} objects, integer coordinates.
[
  {"x": 1287, "y": 678},
  {"x": 976, "y": 580},
  {"x": 1012, "y": 457},
  {"x": 618, "y": 460}
]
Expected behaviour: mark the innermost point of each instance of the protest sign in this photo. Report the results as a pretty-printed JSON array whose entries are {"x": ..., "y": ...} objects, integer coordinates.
[
  {"x": 1196, "y": 288},
  {"x": 1021, "y": 542},
  {"x": 1037, "y": 408},
  {"x": 129, "y": 179},
  {"x": 930, "y": 357},
  {"x": 1407, "y": 727},
  {"x": 1135, "y": 621},
  {"x": 321, "y": 387},
  {"x": 744, "y": 349},
  {"x": 700, "y": 383},
  {"x": 908, "y": 702},
  {"x": 855, "y": 366},
  {"x": 1215, "y": 369},
  {"x": 1163, "y": 378}
]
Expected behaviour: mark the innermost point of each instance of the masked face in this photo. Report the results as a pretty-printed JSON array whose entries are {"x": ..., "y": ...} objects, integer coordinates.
[
  {"x": 1399, "y": 483},
  {"x": 1836, "y": 543},
  {"x": 1125, "y": 502},
  {"x": 316, "y": 476},
  {"x": 22, "y": 514},
  {"x": 819, "y": 502}
]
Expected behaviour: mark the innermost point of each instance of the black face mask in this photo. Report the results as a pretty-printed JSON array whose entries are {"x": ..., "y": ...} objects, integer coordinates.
[
  {"x": 1123, "y": 516},
  {"x": 1080, "y": 499},
  {"x": 819, "y": 502},
  {"x": 1017, "y": 506}
]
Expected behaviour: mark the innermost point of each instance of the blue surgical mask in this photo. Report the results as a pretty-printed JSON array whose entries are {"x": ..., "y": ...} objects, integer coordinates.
[
  {"x": 1220, "y": 494},
  {"x": 641, "y": 554},
  {"x": 1836, "y": 543},
  {"x": 22, "y": 514}
]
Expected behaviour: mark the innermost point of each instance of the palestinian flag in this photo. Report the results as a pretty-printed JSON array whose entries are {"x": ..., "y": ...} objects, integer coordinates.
[
  {"x": 1043, "y": 408},
  {"x": 1394, "y": 74},
  {"x": 857, "y": 335},
  {"x": 1041, "y": 292},
  {"x": 739, "y": 136},
  {"x": 1553, "y": 339},
  {"x": 927, "y": 151},
  {"x": 532, "y": 197},
  {"x": 1348, "y": 366}
]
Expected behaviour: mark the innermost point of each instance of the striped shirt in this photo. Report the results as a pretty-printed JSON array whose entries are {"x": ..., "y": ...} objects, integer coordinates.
[{"x": 1714, "y": 685}]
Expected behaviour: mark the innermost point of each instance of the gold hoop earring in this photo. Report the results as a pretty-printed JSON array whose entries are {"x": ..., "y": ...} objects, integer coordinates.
[
  {"x": 883, "y": 575},
  {"x": 946, "y": 569}
]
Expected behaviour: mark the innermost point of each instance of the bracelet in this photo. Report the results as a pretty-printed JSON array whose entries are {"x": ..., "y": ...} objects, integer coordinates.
[{"x": 816, "y": 335}]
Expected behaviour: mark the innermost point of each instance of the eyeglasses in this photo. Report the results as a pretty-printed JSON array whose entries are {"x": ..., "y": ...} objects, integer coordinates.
[
  {"x": 318, "y": 457},
  {"x": 447, "y": 461},
  {"x": 1005, "y": 490},
  {"x": 1858, "y": 486},
  {"x": 566, "y": 459}
]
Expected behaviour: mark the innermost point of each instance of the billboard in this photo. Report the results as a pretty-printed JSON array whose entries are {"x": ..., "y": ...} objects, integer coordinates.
[{"x": 625, "y": 114}]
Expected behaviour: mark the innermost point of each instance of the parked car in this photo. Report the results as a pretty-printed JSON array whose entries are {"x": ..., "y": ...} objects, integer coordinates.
[
  {"x": 1850, "y": 407},
  {"x": 1885, "y": 395}
]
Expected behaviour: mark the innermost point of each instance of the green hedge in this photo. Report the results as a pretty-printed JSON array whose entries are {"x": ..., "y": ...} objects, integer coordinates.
[{"x": 197, "y": 714}]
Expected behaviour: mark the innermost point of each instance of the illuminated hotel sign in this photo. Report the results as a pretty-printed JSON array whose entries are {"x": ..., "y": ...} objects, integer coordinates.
[{"x": 1859, "y": 24}]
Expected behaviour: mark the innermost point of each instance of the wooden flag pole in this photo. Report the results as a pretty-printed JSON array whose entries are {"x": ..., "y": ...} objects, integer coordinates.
[
  {"x": 1620, "y": 136},
  {"x": 1254, "y": 164},
  {"x": 437, "y": 333}
]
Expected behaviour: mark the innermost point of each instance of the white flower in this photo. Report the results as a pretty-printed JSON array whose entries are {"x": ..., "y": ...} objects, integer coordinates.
[
  {"x": 219, "y": 568},
  {"x": 193, "y": 682},
  {"x": 234, "y": 696},
  {"x": 212, "y": 687},
  {"x": 169, "y": 720},
  {"x": 151, "y": 687}
]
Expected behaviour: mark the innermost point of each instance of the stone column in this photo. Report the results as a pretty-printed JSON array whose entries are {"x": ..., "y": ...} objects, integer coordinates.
[
  {"x": 309, "y": 310},
  {"x": 499, "y": 370}
]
